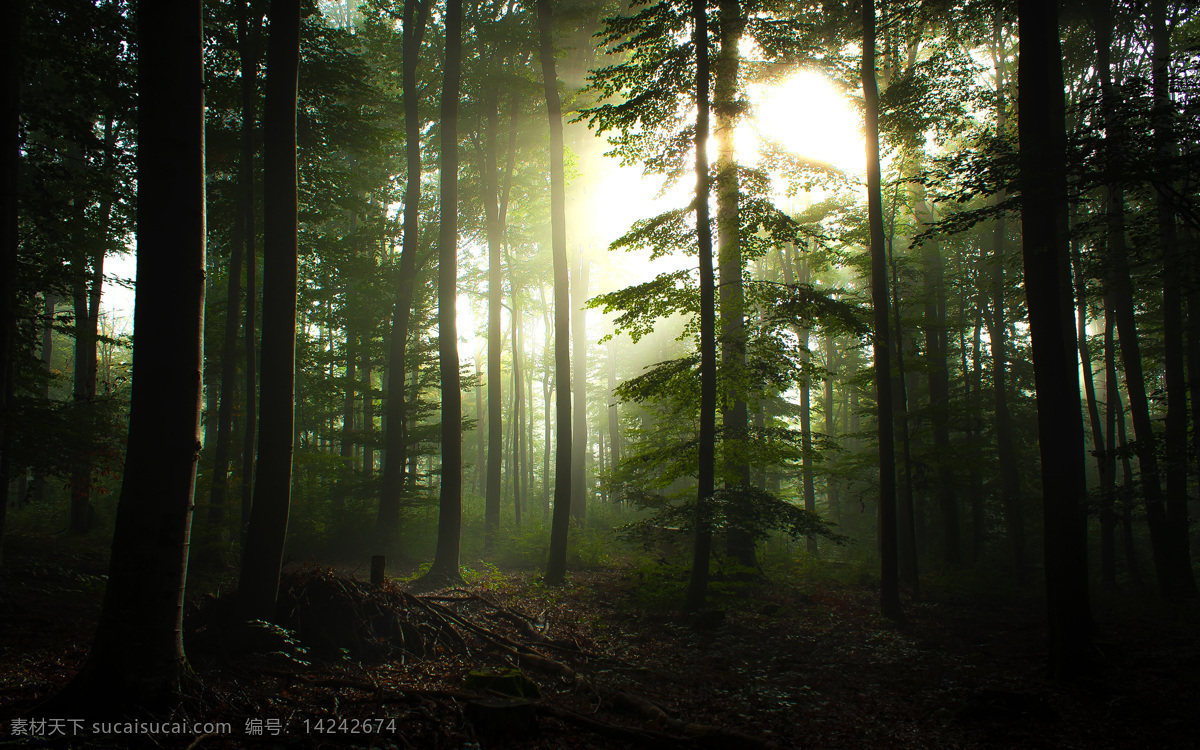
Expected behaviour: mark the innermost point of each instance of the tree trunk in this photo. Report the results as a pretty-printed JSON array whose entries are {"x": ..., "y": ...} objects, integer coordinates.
[
  {"x": 517, "y": 391},
  {"x": 889, "y": 571},
  {"x": 939, "y": 400},
  {"x": 1175, "y": 435},
  {"x": 831, "y": 365},
  {"x": 614, "y": 420},
  {"x": 445, "y": 561},
  {"x": 263, "y": 554},
  {"x": 137, "y": 655},
  {"x": 579, "y": 440},
  {"x": 1119, "y": 282},
  {"x": 997, "y": 325},
  {"x": 907, "y": 524},
  {"x": 1108, "y": 479},
  {"x": 1042, "y": 136},
  {"x": 10, "y": 122},
  {"x": 556, "y": 567},
  {"x": 697, "y": 588},
  {"x": 395, "y": 415}
]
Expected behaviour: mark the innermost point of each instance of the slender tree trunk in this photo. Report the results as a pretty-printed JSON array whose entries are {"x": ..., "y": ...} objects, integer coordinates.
[
  {"x": 939, "y": 400},
  {"x": 1127, "y": 485},
  {"x": 614, "y": 419},
  {"x": 806, "y": 446},
  {"x": 1042, "y": 136},
  {"x": 1122, "y": 295},
  {"x": 137, "y": 654},
  {"x": 731, "y": 297},
  {"x": 248, "y": 52},
  {"x": 367, "y": 438},
  {"x": 492, "y": 496},
  {"x": 395, "y": 414},
  {"x": 1108, "y": 479},
  {"x": 445, "y": 562},
  {"x": 263, "y": 554},
  {"x": 515, "y": 414},
  {"x": 556, "y": 567},
  {"x": 242, "y": 240},
  {"x": 997, "y": 325},
  {"x": 889, "y": 572},
  {"x": 831, "y": 365},
  {"x": 907, "y": 549},
  {"x": 579, "y": 440},
  {"x": 1175, "y": 437},
  {"x": 697, "y": 588},
  {"x": 10, "y": 122}
]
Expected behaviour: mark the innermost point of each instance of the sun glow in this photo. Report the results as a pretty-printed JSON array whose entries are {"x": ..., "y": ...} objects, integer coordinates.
[{"x": 810, "y": 117}]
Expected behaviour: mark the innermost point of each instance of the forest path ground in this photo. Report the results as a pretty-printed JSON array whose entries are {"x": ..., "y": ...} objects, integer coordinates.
[{"x": 798, "y": 665}]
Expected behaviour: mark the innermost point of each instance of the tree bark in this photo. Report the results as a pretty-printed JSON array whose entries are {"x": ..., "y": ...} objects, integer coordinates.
[
  {"x": 1042, "y": 136},
  {"x": 137, "y": 654},
  {"x": 579, "y": 440},
  {"x": 263, "y": 554},
  {"x": 395, "y": 414},
  {"x": 556, "y": 567},
  {"x": 889, "y": 571},
  {"x": 10, "y": 123},
  {"x": 697, "y": 588},
  {"x": 446, "y": 557},
  {"x": 997, "y": 325},
  {"x": 1175, "y": 435}
]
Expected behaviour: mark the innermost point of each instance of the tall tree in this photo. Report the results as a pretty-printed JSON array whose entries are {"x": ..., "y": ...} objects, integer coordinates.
[
  {"x": 697, "y": 588},
  {"x": 889, "y": 578},
  {"x": 10, "y": 127},
  {"x": 560, "y": 524},
  {"x": 1175, "y": 437},
  {"x": 997, "y": 325},
  {"x": 137, "y": 655},
  {"x": 392, "y": 485},
  {"x": 262, "y": 557},
  {"x": 579, "y": 438},
  {"x": 242, "y": 239},
  {"x": 1042, "y": 138},
  {"x": 445, "y": 560},
  {"x": 249, "y": 46}
]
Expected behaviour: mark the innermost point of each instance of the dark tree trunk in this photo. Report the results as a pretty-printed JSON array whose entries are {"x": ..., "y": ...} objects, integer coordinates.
[
  {"x": 10, "y": 122},
  {"x": 445, "y": 560},
  {"x": 889, "y": 570},
  {"x": 243, "y": 240},
  {"x": 907, "y": 550},
  {"x": 1175, "y": 436},
  {"x": 697, "y": 588},
  {"x": 1119, "y": 283},
  {"x": 831, "y": 365},
  {"x": 263, "y": 554},
  {"x": 494, "y": 344},
  {"x": 579, "y": 440},
  {"x": 367, "y": 438},
  {"x": 939, "y": 400},
  {"x": 1108, "y": 486},
  {"x": 395, "y": 415},
  {"x": 517, "y": 393},
  {"x": 997, "y": 325},
  {"x": 137, "y": 655},
  {"x": 1042, "y": 136},
  {"x": 248, "y": 49},
  {"x": 731, "y": 297},
  {"x": 1127, "y": 485},
  {"x": 556, "y": 567}
]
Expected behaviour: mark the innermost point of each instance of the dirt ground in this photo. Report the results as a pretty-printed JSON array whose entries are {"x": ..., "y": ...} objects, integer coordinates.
[{"x": 778, "y": 664}]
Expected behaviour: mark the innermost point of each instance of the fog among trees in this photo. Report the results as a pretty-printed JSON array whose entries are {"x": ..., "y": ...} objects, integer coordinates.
[{"x": 542, "y": 374}]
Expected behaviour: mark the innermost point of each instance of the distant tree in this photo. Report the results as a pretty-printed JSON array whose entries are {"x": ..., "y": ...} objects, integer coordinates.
[
  {"x": 445, "y": 562},
  {"x": 889, "y": 574},
  {"x": 416, "y": 13},
  {"x": 137, "y": 656},
  {"x": 697, "y": 588},
  {"x": 262, "y": 558},
  {"x": 10, "y": 142},
  {"x": 560, "y": 524},
  {"x": 1043, "y": 153}
]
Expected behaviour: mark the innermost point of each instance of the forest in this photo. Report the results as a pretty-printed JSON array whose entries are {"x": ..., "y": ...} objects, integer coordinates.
[{"x": 600, "y": 373}]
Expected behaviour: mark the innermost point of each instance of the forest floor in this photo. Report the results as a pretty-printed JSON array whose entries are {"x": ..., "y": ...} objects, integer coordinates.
[{"x": 788, "y": 665}]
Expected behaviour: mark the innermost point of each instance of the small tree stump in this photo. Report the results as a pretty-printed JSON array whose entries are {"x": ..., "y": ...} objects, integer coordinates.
[{"x": 378, "y": 565}]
